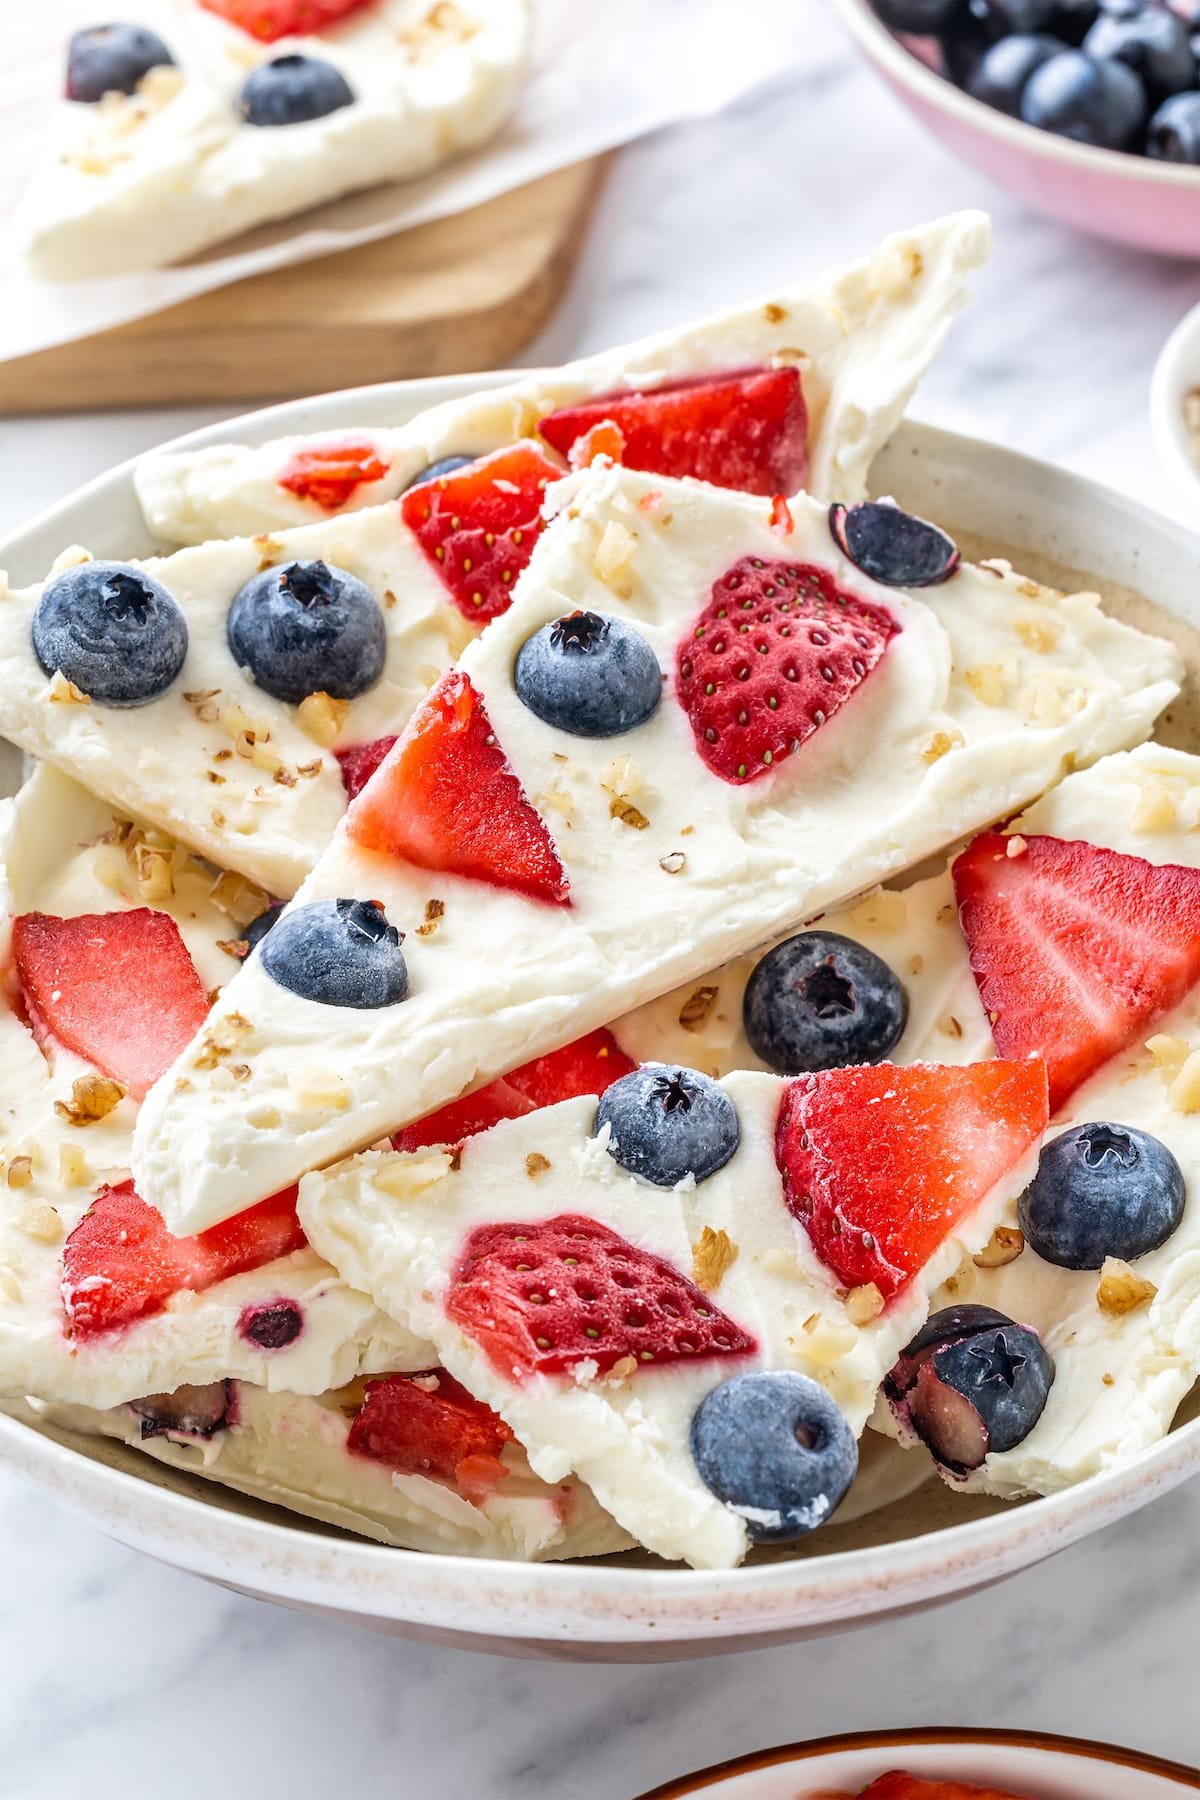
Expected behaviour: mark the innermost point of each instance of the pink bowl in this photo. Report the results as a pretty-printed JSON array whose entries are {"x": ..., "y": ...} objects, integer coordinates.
[{"x": 1151, "y": 205}]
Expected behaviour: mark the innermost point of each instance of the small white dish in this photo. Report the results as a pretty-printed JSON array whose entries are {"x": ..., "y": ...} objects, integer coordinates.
[
  {"x": 1176, "y": 373},
  {"x": 1033, "y": 1765},
  {"x": 922, "y": 1549}
]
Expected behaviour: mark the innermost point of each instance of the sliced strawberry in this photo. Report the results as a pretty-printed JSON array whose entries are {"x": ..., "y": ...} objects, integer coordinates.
[
  {"x": 121, "y": 1263},
  {"x": 540, "y": 1298},
  {"x": 118, "y": 988},
  {"x": 1076, "y": 950},
  {"x": 478, "y": 525},
  {"x": 588, "y": 1066},
  {"x": 330, "y": 473},
  {"x": 448, "y": 800},
  {"x": 747, "y": 431},
  {"x": 776, "y": 652},
  {"x": 880, "y": 1164},
  {"x": 899, "y": 1786},
  {"x": 430, "y": 1425},
  {"x": 269, "y": 20},
  {"x": 360, "y": 762}
]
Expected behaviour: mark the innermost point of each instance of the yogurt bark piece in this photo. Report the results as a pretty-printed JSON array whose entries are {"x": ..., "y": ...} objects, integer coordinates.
[
  {"x": 596, "y": 1310},
  {"x": 817, "y": 374},
  {"x": 97, "y": 1303},
  {"x": 547, "y": 882},
  {"x": 159, "y": 168},
  {"x": 1124, "y": 1339},
  {"x": 249, "y": 780},
  {"x": 459, "y": 1484}
]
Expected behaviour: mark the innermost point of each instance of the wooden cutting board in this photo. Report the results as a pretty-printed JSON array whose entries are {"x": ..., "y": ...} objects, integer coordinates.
[{"x": 463, "y": 293}]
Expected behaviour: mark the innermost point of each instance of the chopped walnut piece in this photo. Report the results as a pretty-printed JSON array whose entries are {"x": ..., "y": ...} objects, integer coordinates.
[
  {"x": 712, "y": 1255},
  {"x": 1004, "y": 1246},
  {"x": 93, "y": 1097},
  {"x": 1156, "y": 809},
  {"x": 262, "y": 1118},
  {"x": 622, "y": 777},
  {"x": 314, "y": 1085},
  {"x": 65, "y": 693},
  {"x": 864, "y": 1304},
  {"x": 1016, "y": 846},
  {"x": 1184, "y": 1091},
  {"x": 939, "y": 745},
  {"x": 407, "y": 1177},
  {"x": 622, "y": 1370},
  {"x": 20, "y": 1171},
  {"x": 693, "y": 1014},
  {"x": 38, "y": 1219},
  {"x": 947, "y": 914},
  {"x": 536, "y": 1164},
  {"x": 773, "y": 313},
  {"x": 989, "y": 682},
  {"x": 74, "y": 1169},
  {"x": 240, "y": 898},
  {"x": 1035, "y": 631},
  {"x": 435, "y": 912},
  {"x": 1121, "y": 1289},
  {"x": 1168, "y": 1054},
  {"x": 627, "y": 812},
  {"x": 825, "y": 1340},
  {"x": 614, "y": 556},
  {"x": 321, "y": 717},
  {"x": 155, "y": 873}
]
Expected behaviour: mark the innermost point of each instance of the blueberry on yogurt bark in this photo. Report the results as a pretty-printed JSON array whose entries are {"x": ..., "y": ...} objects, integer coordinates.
[{"x": 112, "y": 631}]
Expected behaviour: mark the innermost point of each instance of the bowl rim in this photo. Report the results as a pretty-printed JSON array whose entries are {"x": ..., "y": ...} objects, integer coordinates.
[
  {"x": 1166, "y": 413},
  {"x": 900, "y": 65},
  {"x": 492, "y": 1600},
  {"x": 1051, "y": 1743}
]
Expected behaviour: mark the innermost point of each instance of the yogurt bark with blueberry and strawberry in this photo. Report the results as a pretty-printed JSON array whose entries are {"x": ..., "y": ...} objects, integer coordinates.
[
  {"x": 113, "y": 940},
  {"x": 656, "y": 1292},
  {"x": 798, "y": 389},
  {"x": 203, "y": 118},
  {"x": 619, "y": 786}
]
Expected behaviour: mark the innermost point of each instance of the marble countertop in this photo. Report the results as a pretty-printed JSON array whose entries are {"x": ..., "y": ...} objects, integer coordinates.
[{"x": 121, "y": 1678}]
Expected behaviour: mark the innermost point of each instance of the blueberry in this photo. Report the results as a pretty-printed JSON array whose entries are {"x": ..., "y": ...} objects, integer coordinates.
[
  {"x": 923, "y": 18},
  {"x": 775, "y": 1449},
  {"x": 111, "y": 59},
  {"x": 821, "y": 1001},
  {"x": 290, "y": 90},
  {"x": 112, "y": 630},
  {"x": 667, "y": 1123},
  {"x": 963, "y": 47},
  {"x": 1002, "y": 72},
  {"x": 1101, "y": 103},
  {"x": 190, "y": 1411},
  {"x": 258, "y": 928},
  {"x": 272, "y": 1324},
  {"x": 891, "y": 546},
  {"x": 307, "y": 627},
  {"x": 1068, "y": 20},
  {"x": 445, "y": 465},
  {"x": 1153, "y": 43},
  {"x": 1174, "y": 131},
  {"x": 1101, "y": 1190},
  {"x": 971, "y": 1382},
  {"x": 337, "y": 953},
  {"x": 588, "y": 674}
]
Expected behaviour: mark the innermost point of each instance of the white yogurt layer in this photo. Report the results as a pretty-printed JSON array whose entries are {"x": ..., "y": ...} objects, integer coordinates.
[
  {"x": 246, "y": 780},
  {"x": 914, "y": 760},
  {"x": 398, "y": 1225},
  {"x": 139, "y": 181},
  {"x": 54, "y": 858},
  {"x": 290, "y": 1450},
  {"x": 862, "y": 337}
]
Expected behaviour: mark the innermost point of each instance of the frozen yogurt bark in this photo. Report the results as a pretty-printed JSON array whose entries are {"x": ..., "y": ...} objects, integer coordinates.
[
  {"x": 798, "y": 389},
  {"x": 113, "y": 938},
  {"x": 547, "y": 880},
  {"x": 601, "y": 1275},
  {"x": 196, "y": 121}
]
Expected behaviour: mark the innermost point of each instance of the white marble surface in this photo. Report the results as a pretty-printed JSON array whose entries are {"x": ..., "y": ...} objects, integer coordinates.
[{"x": 119, "y": 1678}]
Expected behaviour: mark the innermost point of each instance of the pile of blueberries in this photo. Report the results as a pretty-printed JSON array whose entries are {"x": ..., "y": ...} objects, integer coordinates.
[{"x": 1119, "y": 74}]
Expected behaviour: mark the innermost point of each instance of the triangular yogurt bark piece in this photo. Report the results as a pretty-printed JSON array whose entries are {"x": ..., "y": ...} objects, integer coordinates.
[
  {"x": 1087, "y": 953},
  {"x": 797, "y": 389},
  {"x": 152, "y": 160},
  {"x": 112, "y": 939},
  {"x": 598, "y": 1309},
  {"x": 548, "y": 881}
]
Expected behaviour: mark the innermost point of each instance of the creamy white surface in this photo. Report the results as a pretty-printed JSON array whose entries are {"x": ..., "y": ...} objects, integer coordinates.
[
  {"x": 866, "y": 796},
  {"x": 861, "y": 335},
  {"x": 50, "y": 860},
  {"x": 176, "y": 765},
  {"x": 151, "y": 178},
  {"x": 398, "y": 1225}
]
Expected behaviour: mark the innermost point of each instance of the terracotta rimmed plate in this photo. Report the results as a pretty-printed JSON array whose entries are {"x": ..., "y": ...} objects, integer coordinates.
[
  {"x": 922, "y": 1549},
  {"x": 1033, "y": 1764}
]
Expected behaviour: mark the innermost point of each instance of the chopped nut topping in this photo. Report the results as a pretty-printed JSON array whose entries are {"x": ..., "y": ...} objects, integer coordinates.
[
  {"x": 155, "y": 873},
  {"x": 1184, "y": 1091},
  {"x": 407, "y": 1177},
  {"x": 1004, "y": 1246},
  {"x": 864, "y": 1304},
  {"x": 947, "y": 914},
  {"x": 321, "y": 717},
  {"x": 623, "y": 777},
  {"x": 92, "y": 1097},
  {"x": 949, "y": 1026},
  {"x": 884, "y": 909},
  {"x": 622, "y": 1370},
  {"x": 614, "y": 556},
  {"x": 317, "y": 1086},
  {"x": 1035, "y": 631},
  {"x": 38, "y": 1219},
  {"x": 240, "y": 898},
  {"x": 1168, "y": 1054},
  {"x": 673, "y": 864},
  {"x": 1156, "y": 810},
  {"x": 65, "y": 693},
  {"x": 536, "y": 1164},
  {"x": 989, "y": 682},
  {"x": 939, "y": 745},
  {"x": 262, "y": 1118},
  {"x": 74, "y": 1169},
  {"x": 435, "y": 911},
  {"x": 693, "y": 1014},
  {"x": 627, "y": 812},
  {"x": 1121, "y": 1290},
  {"x": 1016, "y": 846},
  {"x": 20, "y": 1171},
  {"x": 773, "y": 313},
  {"x": 713, "y": 1254}
]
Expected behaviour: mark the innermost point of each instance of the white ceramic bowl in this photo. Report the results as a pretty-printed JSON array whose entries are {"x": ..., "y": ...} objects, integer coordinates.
[
  {"x": 1132, "y": 199},
  {"x": 918, "y": 1551},
  {"x": 1044, "y": 1768},
  {"x": 1176, "y": 372}
]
